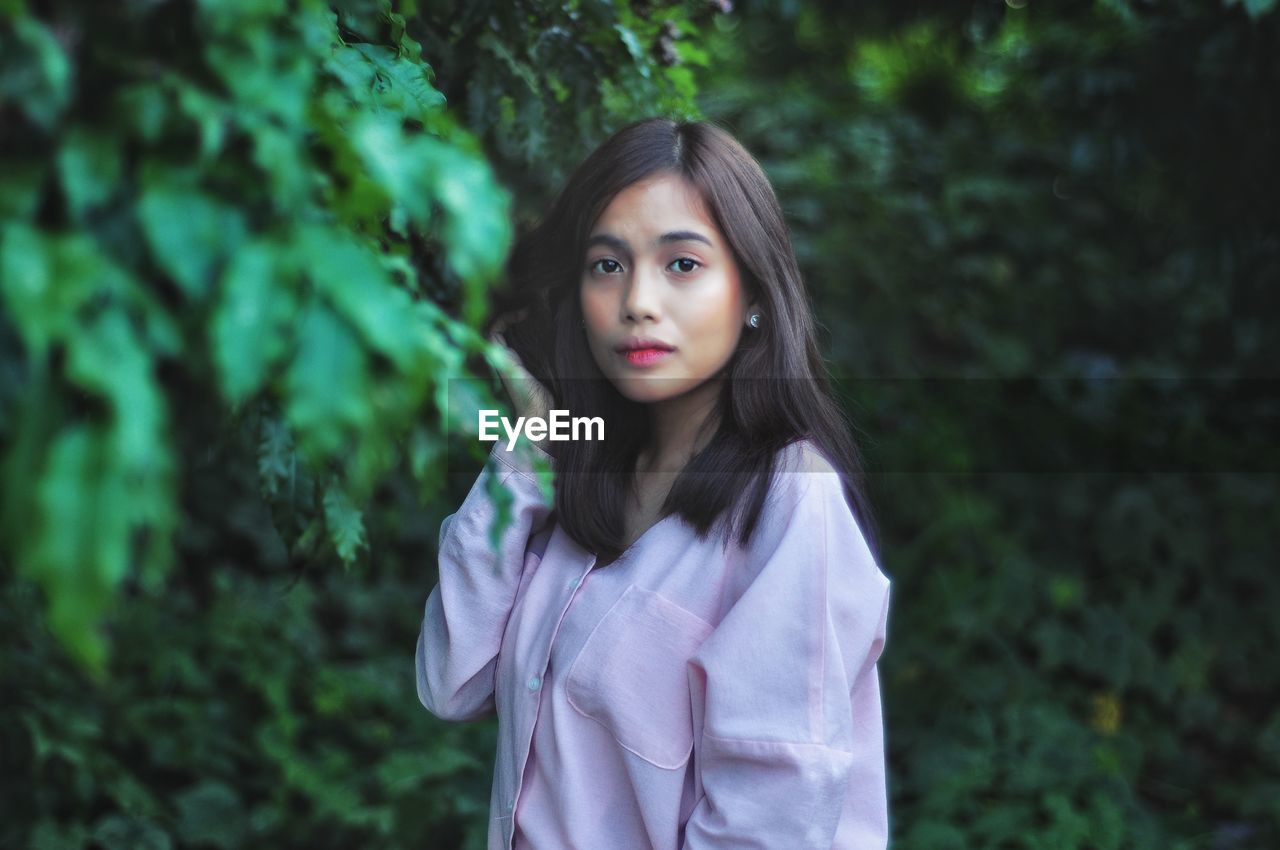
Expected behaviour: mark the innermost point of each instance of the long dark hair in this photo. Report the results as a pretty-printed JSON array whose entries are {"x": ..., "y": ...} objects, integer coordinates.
[{"x": 776, "y": 390}]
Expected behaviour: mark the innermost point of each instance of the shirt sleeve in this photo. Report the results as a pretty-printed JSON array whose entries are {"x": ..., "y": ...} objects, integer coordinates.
[
  {"x": 792, "y": 741},
  {"x": 467, "y": 611}
]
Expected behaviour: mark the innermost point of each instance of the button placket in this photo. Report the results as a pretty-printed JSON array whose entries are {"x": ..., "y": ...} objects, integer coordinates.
[{"x": 535, "y": 682}]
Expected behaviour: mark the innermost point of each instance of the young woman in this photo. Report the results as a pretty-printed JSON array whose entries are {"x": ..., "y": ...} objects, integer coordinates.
[{"x": 658, "y": 685}]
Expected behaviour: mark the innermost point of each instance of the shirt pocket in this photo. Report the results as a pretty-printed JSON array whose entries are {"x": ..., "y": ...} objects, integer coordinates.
[{"x": 631, "y": 675}]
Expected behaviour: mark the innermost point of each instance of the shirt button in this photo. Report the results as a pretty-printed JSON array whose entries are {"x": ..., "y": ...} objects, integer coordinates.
[
  {"x": 511, "y": 805},
  {"x": 574, "y": 583},
  {"x": 534, "y": 682}
]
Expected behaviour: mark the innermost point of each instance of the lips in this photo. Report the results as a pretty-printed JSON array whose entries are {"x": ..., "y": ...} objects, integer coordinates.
[
  {"x": 644, "y": 356},
  {"x": 643, "y": 343},
  {"x": 644, "y": 350}
]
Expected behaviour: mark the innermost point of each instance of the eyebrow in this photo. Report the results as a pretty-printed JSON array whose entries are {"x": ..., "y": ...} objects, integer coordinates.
[{"x": 611, "y": 241}]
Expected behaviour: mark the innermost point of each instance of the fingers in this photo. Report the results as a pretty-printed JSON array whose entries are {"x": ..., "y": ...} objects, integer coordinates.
[
  {"x": 507, "y": 319},
  {"x": 527, "y": 393},
  {"x": 511, "y": 352}
]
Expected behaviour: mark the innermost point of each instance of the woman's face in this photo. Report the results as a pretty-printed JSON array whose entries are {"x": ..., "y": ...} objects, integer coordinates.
[{"x": 657, "y": 268}]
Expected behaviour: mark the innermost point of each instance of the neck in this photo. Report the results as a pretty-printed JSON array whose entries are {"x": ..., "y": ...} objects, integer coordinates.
[{"x": 680, "y": 428}]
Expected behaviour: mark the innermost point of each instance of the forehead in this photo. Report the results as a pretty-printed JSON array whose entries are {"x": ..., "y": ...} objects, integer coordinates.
[{"x": 656, "y": 202}]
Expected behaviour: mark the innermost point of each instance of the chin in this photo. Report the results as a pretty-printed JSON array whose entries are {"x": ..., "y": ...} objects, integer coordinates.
[{"x": 648, "y": 390}]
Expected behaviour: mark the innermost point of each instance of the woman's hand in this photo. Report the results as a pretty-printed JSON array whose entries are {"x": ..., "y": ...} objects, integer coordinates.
[{"x": 528, "y": 396}]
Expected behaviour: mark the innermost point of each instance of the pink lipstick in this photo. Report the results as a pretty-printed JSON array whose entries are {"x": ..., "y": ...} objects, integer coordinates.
[{"x": 644, "y": 351}]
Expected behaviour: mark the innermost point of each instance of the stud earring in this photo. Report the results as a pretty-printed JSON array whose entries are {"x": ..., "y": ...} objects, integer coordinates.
[{"x": 754, "y": 321}]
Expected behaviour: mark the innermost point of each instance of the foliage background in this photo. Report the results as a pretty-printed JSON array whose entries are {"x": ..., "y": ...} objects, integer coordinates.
[{"x": 245, "y": 249}]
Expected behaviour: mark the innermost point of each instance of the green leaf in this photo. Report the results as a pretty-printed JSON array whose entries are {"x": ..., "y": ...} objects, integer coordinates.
[
  {"x": 264, "y": 74},
  {"x": 36, "y": 73},
  {"x": 89, "y": 167},
  {"x": 276, "y": 458},
  {"x": 283, "y": 160},
  {"x": 188, "y": 231},
  {"x": 211, "y": 115},
  {"x": 634, "y": 47},
  {"x": 79, "y": 547},
  {"x": 106, "y": 357},
  {"x": 250, "y": 324},
  {"x": 38, "y": 308},
  {"x": 326, "y": 384},
  {"x": 47, "y": 281},
  {"x": 142, "y": 110},
  {"x": 344, "y": 521},
  {"x": 361, "y": 289},
  {"x": 477, "y": 227},
  {"x": 502, "y": 500},
  {"x": 401, "y": 85},
  {"x": 352, "y": 68}
]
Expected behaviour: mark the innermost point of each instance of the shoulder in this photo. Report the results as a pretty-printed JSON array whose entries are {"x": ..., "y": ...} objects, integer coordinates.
[
  {"x": 802, "y": 482},
  {"x": 804, "y": 455},
  {"x": 803, "y": 475},
  {"x": 809, "y": 549},
  {"x": 808, "y": 503}
]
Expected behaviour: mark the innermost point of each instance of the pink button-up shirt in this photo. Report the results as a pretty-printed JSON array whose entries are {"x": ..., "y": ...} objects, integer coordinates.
[{"x": 689, "y": 695}]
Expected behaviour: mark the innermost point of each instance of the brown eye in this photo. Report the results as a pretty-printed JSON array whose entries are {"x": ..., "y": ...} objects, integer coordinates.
[
  {"x": 694, "y": 263},
  {"x": 601, "y": 261}
]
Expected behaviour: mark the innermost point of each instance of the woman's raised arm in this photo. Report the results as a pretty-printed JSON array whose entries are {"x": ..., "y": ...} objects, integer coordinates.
[{"x": 466, "y": 613}]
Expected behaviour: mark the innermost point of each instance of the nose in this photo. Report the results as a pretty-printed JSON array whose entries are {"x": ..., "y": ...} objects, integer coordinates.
[{"x": 640, "y": 297}]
